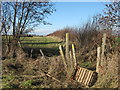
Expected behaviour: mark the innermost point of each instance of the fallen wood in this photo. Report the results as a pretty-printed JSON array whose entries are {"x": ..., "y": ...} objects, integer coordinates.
[{"x": 53, "y": 78}]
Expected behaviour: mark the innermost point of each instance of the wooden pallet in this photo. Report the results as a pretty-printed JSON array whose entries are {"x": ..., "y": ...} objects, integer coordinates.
[{"x": 85, "y": 77}]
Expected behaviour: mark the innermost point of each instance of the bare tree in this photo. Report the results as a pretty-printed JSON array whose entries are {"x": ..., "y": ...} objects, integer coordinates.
[
  {"x": 22, "y": 17},
  {"x": 87, "y": 32},
  {"x": 111, "y": 17}
]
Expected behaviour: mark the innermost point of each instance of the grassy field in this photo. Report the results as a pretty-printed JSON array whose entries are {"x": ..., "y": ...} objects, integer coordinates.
[
  {"x": 118, "y": 40},
  {"x": 49, "y": 45},
  {"x": 40, "y": 42}
]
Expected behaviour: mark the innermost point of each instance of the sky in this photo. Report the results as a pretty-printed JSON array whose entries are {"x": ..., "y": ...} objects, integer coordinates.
[{"x": 69, "y": 14}]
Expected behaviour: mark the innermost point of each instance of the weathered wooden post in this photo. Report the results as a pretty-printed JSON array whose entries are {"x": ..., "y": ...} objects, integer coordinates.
[
  {"x": 67, "y": 46},
  {"x": 63, "y": 57},
  {"x": 71, "y": 57},
  {"x": 31, "y": 53},
  {"x": 69, "y": 61},
  {"x": 42, "y": 53},
  {"x": 74, "y": 57},
  {"x": 19, "y": 44},
  {"x": 98, "y": 59},
  {"x": 103, "y": 49}
]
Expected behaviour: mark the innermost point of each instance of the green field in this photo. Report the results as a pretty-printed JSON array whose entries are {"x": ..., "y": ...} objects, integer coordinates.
[
  {"x": 49, "y": 45},
  {"x": 118, "y": 40},
  {"x": 38, "y": 41},
  {"x": 41, "y": 42}
]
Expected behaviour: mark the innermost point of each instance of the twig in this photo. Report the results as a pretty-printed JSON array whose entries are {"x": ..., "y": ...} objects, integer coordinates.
[{"x": 52, "y": 77}]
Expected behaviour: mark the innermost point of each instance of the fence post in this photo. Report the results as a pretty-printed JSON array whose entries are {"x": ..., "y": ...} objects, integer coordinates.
[
  {"x": 31, "y": 53},
  {"x": 42, "y": 53},
  {"x": 98, "y": 59},
  {"x": 63, "y": 57},
  {"x": 19, "y": 44},
  {"x": 67, "y": 46},
  {"x": 103, "y": 49},
  {"x": 74, "y": 57},
  {"x": 71, "y": 57}
]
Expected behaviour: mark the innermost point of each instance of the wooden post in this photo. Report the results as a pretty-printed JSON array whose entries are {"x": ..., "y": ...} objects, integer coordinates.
[
  {"x": 71, "y": 57},
  {"x": 98, "y": 59},
  {"x": 67, "y": 46},
  {"x": 103, "y": 49},
  {"x": 74, "y": 56},
  {"x": 63, "y": 57},
  {"x": 19, "y": 44},
  {"x": 42, "y": 53},
  {"x": 31, "y": 53}
]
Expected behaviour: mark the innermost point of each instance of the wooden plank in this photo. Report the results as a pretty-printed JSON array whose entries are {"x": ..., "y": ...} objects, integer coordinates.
[
  {"x": 89, "y": 78},
  {"x": 82, "y": 77},
  {"x": 77, "y": 73},
  {"x": 79, "y": 77},
  {"x": 86, "y": 73},
  {"x": 93, "y": 77}
]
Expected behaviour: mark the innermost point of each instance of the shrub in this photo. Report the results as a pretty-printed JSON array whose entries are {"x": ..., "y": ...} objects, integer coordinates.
[{"x": 61, "y": 33}]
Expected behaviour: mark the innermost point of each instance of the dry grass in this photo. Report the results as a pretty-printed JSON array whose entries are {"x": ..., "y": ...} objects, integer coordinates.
[{"x": 36, "y": 73}]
